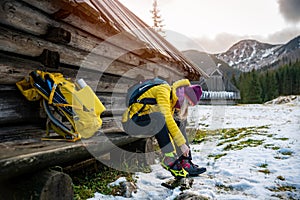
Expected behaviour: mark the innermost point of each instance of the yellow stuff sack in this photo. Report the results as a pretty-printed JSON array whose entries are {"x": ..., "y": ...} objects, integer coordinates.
[{"x": 62, "y": 99}]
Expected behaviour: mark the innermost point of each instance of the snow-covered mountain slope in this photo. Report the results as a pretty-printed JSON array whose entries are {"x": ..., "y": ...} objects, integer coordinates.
[{"x": 251, "y": 54}]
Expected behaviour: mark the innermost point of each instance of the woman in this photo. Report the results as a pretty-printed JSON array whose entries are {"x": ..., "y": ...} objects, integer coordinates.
[{"x": 158, "y": 120}]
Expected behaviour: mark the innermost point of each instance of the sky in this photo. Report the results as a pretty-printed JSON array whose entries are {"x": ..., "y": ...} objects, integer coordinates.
[{"x": 213, "y": 26}]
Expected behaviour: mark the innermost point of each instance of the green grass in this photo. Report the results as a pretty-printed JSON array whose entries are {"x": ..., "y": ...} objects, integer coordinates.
[
  {"x": 282, "y": 188},
  {"x": 243, "y": 144},
  {"x": 283, "y": 139},
  {"x": 233, "y": 139},
  {"x": 271, "y": 146},
  {"x": 281, "y": 178},
  {"x": 217, "y": 156},
  {"x": 287, "y": 153},
  {"x": 265, "y": 171},
  {"x": 224, "y": 187},
  {"x": 85, "y": 185},
  {"x": 264, "y": 165}
]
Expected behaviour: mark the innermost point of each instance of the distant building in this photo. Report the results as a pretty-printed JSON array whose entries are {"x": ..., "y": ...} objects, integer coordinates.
[{"x": 218, "y": 90}]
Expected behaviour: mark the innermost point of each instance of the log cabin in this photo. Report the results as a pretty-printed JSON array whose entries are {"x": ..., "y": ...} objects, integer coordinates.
[{"x": 100, "y": 41}]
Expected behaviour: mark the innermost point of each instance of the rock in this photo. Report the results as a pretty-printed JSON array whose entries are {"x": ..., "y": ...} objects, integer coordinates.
[
  {"x": 283, "y": 100},
  {"x": 128, "y": 188},
  {"x": 190, "y": 196},
  {"x": 183, "y": 183}
]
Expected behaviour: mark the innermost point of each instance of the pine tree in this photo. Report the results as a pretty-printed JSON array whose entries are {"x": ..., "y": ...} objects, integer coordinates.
[
  {"x": 233, "y": 81},
  {"x": 264, "y": 89},
  {"x": 254, "y": 93},
  {"x": 157, "y": 20},
  {"x": 297, "y": 66}
]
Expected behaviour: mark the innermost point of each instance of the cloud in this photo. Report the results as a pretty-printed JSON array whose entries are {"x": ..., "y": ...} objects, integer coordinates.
[
  {"x": 283, "y": 36},
  {"x": 290, "y": 10},
  {"x": 223, "y": 41}
]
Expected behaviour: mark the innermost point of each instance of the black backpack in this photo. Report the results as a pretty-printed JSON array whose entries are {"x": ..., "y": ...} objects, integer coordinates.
[{"x": 135, "y": 91}]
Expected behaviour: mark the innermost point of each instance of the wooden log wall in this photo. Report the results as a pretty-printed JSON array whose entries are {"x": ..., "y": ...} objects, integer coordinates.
[
  {"x": 59, "y": 37},
  {"x": 33, "y": 35}
]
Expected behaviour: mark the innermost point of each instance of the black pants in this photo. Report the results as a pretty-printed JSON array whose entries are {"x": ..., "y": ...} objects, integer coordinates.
[
  {"x": 153, "y": 124},
  {"x": 182, "y": 127}
]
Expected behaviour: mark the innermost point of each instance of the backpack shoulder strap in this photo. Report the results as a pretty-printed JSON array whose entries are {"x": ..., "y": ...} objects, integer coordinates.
[{"x": 135, "y": 91}]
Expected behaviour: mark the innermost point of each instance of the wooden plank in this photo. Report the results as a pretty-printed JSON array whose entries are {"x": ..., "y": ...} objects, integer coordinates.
[
  {"x": 15, "y": 109},
  {"x": 22, "y": 17},
  {"x": 18, "y": 158},
  {"x": 20, "y": 43},
  {"x": 33, "y": 22},
  {"x": 18, "y": 15},
  {"x": 19, "y": 132},
  {"x": 100, "y": 29},
  {"x": 14, "y": 69}
]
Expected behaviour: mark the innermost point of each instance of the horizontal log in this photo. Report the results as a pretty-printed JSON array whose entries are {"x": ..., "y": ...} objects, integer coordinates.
[
  {"x": 18, "y": 15},
  {"x": 22, "y": 17},
  {"x": 14, "y": 69},
  {"x": 28, "y": 45},
  {"x": 17, "y": 158},
  {"x": 19, "y": 132},
  {"x": 15, "y": 109},
  {"x": 100, "y": 29}
]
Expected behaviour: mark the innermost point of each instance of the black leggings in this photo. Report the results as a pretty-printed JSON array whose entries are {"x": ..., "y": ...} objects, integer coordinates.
[
  {"x": 150, "y": 125},
  {"x": 154, "y": 124},
  {"x": 182, "y": 127}
]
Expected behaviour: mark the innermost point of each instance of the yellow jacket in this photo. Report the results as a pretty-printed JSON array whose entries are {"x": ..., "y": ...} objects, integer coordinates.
[{"x": 166, "y": 99}]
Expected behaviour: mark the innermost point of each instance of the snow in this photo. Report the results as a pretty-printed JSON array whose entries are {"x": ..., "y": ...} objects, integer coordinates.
[
  {"x": 240, "y": 173},
  {"x": 118, "y": 181}
]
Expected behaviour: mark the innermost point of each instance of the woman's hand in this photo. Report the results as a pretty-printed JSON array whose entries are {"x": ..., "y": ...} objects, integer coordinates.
[{"x": 185, "y": 150}]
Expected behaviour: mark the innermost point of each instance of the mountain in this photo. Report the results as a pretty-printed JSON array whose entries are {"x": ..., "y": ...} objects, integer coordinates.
[
  {"x": 209, "y": 63},
  {"x": 251, "y": 54},
  {"x": 203, "y": 60}
]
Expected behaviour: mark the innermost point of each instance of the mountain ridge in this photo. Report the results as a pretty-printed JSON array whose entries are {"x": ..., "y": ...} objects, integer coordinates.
[{"x": 250, "y": 54}]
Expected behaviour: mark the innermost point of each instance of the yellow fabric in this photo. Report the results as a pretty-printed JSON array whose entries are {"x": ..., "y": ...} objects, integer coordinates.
[
  {"x": 165, "y": 105},
  {"x": 84, "y": 103},
  {"x": 29, "y": 92},
  {"x": 180, "y": 83},
  {"x": 87, "y": 119}
]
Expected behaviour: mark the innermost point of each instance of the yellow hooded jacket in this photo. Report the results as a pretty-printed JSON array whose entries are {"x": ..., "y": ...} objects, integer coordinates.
[{"x": 165, "y": 104}]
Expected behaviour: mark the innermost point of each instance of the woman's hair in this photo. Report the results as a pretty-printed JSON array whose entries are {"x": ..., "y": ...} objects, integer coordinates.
[{"x": 182, "y": 113}]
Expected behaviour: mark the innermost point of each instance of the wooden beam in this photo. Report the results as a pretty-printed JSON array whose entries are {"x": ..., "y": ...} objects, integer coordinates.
[
  {"x": 49, "y": 58},
  {"x": 15, "y": 109},
  {"x": 28, "y": 45},
  {"x": 25, "y": 158},
  {"x": 58, "y": 35}
]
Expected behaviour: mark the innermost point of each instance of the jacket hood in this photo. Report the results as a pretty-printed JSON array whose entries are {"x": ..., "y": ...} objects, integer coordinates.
[{"x": 178, "y": 84}]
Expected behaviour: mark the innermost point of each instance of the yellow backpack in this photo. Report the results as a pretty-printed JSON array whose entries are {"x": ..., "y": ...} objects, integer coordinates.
[{"x": 62, "y": 99}]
